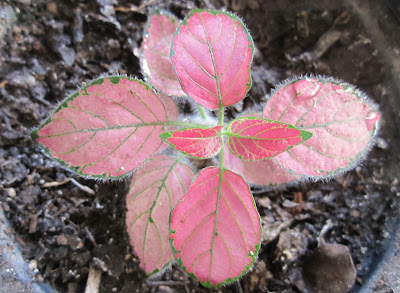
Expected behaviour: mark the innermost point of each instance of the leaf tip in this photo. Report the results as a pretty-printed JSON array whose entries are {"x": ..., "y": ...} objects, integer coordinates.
[
  {"x": 165, "y": 135},
  {"x": 34, "y": 135},
  {"x": 305, "y": 135}
]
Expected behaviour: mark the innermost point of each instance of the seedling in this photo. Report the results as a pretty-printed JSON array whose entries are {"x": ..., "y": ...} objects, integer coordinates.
[{"x": 311, "y": 127}]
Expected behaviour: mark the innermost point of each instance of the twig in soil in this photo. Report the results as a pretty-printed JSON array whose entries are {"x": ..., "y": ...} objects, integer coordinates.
[
  {"x": 90, "y": 236},
  {"x": 60, "y": 211},
  {"x": 167, "y": 283},
  {"x": 94, "y": 279},
  {"x": 328, "y": 226},
  {"x": 76, "y": 183},
  {"x": 82, "y": 187},
  {"x": 323, "y": 44}
]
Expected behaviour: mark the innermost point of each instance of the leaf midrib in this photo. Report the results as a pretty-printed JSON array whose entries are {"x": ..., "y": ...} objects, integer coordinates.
[{"x": 158, "y": 123}]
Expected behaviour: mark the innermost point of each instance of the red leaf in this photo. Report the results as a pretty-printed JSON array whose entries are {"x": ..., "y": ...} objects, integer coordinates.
[
  {"x": 156, "y": 61},
  {"x": 262, "y": 172},
  {"x": 212, "y": 52},
  {"x": 216, "y": 230},
  {"x": 154, "y": 191},
  {"x": 195, "y": 142},
  {"x": 257, "y": 139},
  {"x": 106, "y": 129},
  {"x": 340, "y": 117}
]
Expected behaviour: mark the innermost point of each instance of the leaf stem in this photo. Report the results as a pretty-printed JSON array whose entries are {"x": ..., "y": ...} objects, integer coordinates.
[
  {"x": 222, "y": 155},
  {"x": 221, "y": 114},
  {"x": 202, "y": 112}
]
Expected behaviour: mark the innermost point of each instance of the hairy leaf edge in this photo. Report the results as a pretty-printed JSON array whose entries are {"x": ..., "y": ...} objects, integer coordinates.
[
  {"x": 361, "y": 95},
  {"x": 114, "y": 78}
]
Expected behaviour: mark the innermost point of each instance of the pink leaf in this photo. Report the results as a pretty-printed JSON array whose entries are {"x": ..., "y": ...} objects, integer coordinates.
[
  {"x": 216, "y": 230},
  {"x": 212, "y": 52},
  {"x": 340, "y": 117},
  {"x": 170, "y": 107},
  {"x": 262, "y": 172},
  {"x": 154, "y": 191},
  {"x": 195, "y": 142},
  {"x": 257, "y": 139},
  {"x": 156, "y": 61},
  {"x": 106, "y": 129}
]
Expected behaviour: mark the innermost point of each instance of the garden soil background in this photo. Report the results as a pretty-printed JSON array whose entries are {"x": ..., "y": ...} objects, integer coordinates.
[{"x": 50, "y": 48}]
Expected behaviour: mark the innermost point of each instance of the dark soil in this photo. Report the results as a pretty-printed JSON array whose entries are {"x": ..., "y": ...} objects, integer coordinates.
[{"x": 48, "y": 48}]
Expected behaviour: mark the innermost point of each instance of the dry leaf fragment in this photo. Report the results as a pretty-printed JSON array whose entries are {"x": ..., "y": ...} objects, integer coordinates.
[{"x": 330, "y": 269}]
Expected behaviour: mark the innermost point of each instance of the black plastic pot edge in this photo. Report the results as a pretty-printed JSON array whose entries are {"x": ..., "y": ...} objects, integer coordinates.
[
  {"x": 386, "y": 272},
  {"x": 15, "y": 274}
]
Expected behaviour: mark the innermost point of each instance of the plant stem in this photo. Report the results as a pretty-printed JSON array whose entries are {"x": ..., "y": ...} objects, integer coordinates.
[
  {"x": 221, "y": 114},
  {"x": 222, "y": 155},
  {"x": 202, "y": 112}
]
